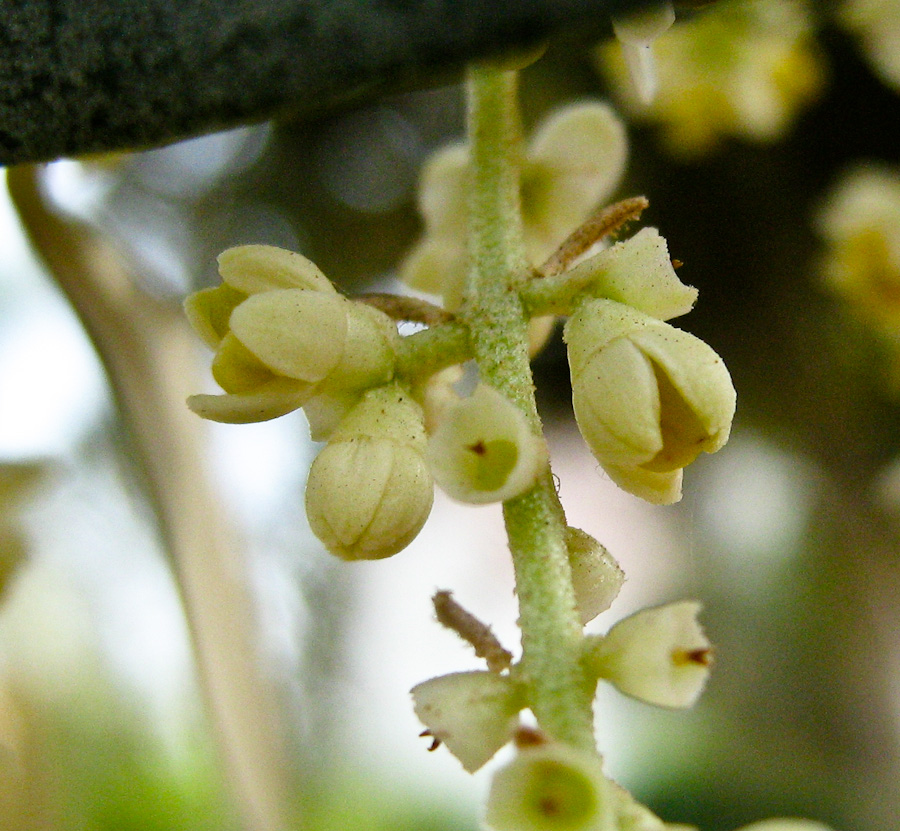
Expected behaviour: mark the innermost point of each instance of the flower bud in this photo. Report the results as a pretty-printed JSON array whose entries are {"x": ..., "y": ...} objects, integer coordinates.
[
  {"x": 369, "y": 491},
  {"x": 551, "y": 787},
  {"x": 283, "y": 335},
  {"x": 473, "y": 713},
  {"x": 483, "y": 450},
  {"x": 658, "y": 655},
  {"x": 596, "y": 576},
  {"x": 648, "y": 398}
]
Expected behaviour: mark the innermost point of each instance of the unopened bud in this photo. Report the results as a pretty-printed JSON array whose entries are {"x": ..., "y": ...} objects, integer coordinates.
[
  {"x": 648, "y": 398},
  {"x": 596, "y": 576},
  {"x": 369, "y": 491}
]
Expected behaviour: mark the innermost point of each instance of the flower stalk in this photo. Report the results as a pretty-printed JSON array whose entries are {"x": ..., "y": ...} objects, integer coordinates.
[{"x": 557, "y": 689}]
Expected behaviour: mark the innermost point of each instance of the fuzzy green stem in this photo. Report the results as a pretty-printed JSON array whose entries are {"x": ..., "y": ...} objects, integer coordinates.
[
  {"x": 431, "y": 350},
  {"x": 557, "y": 689}
]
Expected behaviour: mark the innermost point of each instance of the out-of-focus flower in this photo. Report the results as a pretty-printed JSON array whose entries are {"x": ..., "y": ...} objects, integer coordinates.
[
  {"x": 283, "y": 335},
  {"x": 473, "y": 713},
  {"x": 742, "y": 68},
  {"x": 369, "y": 491},
  {"x": 860, "y": 221},
  {"x": 551, "y": 787},
  {"x": 573, "y": 162},
  {"x": 658, "y": 655},
  {"x": 648, "y": 398},
  {"x": 877, "y": 25},
  {"x": 482, "y": 449}
]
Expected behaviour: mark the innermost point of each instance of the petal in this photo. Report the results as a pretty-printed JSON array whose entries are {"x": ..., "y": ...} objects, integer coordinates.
[
  {"x": 699, "y": 377},
  {"x": 209, "y": 310},
  {"x": 275, "y": 399},
  {"x": 638, "y": 272},
  {"x": 257, "y": 268},
  {"x": 616, "y": 404},
  {"x": 237, "y": 370},
  {"x": 295, "y": 332},
  {"x": 575, "y": 161},
  {"x": 656, "y": 488},
  {"x": 473, "y": 713},
  {"x": 443, "y": 192}
]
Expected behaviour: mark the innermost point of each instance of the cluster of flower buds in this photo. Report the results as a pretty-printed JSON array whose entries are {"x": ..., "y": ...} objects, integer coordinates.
[{"x": 284, "y": 339}]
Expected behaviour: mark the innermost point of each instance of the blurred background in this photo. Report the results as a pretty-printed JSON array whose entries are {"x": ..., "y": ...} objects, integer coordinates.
[{"x": 790, "y": 536}]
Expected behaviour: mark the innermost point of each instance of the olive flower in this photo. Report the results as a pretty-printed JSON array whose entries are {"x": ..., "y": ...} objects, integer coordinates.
[
  {"x": 658, "y": 655},
  {"x": 482, "y": 449},
  {"x": 473, "y": 713},
  {"x": 738, "y": 69},
  {"x": 861, "y": 223},
  {"x": 551, "y": 787},
  {"x": 369, "y": 490},
  {"x": 648, "y": 398},
  {"x": 282, "y": 334},
  {"x": 573, "y": 162}
]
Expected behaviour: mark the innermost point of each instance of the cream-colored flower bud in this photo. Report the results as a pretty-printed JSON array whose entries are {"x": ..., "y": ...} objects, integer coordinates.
[
  {"x": 658, "y": 655},
  {"x": 369, "y": 491},
  {"x": 632, "y": 816},
  {"x": 596, "y": 576},
  {"x": 551, "y": 787},
  {"x": 483, "y": 450},
  {"x": 648, "y": 398},
  {"x": 637, "y": 272},
  {"x": 473, "y": 713}
]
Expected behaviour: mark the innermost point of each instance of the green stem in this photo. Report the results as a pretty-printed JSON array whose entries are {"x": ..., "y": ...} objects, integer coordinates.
[{"x": 558, "y": 692}]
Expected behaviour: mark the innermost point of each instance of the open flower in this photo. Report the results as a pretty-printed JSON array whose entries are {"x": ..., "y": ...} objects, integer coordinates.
[
  {"x": 473, "y": 713},
  {"x": 573, "y": 162},
  {"x": 482, "y": 449},
  {"x": 551, "y": 787},
  {"x": 282, "y": 334},
  {"x": 648, "y": 398},
  {"x": 658, "y": 655},
  {"x": 369, "y": 490}
]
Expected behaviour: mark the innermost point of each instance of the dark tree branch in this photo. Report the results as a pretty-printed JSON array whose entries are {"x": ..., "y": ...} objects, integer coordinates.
[{"x": 80, "y": 76}]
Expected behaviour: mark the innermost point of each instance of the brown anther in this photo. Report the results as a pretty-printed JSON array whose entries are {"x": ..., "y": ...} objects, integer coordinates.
[
  {"x": 701, "y": 657},
  {"x": 435, "y": 741},
  {"x": 478, "y": 448},
  {"x": 676, "y": 264},
  {"x": 529, "y": 737}
]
